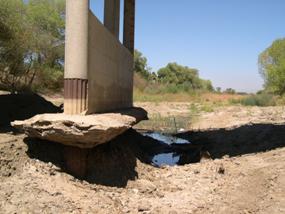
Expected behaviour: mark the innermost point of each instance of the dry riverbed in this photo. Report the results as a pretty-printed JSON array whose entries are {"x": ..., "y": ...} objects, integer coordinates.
[{"x": 246, "y": 172}]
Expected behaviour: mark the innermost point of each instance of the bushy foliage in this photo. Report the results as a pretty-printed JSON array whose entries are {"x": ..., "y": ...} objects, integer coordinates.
[
  {"x": 179, "y": 75},
  {"x": 183, "y": 78},
  {"x": 31, "y": 44},
  {"x": 218, "y": 89},
  {"x": 170, "y": 79},
  {"x": 263, "y": 99},
  {"x": 140, "y": 65},
  {"x": 230, "y": 91},
  {"x": 272, "y": 67}
]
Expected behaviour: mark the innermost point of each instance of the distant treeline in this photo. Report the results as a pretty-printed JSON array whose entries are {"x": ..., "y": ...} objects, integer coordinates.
[{"x": 172, "y": 78}]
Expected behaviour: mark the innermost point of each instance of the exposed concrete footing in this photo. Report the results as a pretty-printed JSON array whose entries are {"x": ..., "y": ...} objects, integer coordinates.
[
  {"x": 76, "y": 161},
  {"x": 83, "y": 131},
  {"x": 80, "y": 133}
]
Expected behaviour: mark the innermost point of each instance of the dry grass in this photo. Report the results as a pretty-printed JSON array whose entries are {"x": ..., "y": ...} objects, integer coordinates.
[
  {"x": 200, "y": 97},
  {"x": 173, "y": 112},
  {"x": 170, "y": 124}
]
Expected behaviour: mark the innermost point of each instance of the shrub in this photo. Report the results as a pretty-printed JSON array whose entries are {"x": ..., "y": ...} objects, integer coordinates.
[
  {"x": 31, "y": 44},
  {"x": 257, "y": 100}
]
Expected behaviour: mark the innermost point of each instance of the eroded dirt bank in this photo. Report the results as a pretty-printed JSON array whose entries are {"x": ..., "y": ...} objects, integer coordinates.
[{"x": 247, "y": 174}]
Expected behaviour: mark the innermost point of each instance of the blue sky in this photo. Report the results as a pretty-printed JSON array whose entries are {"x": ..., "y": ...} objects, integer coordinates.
[{"x": 221, "y": 38}]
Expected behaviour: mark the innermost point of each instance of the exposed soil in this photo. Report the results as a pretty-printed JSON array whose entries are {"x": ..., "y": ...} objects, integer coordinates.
[
  {"x": 23, "y": 106},
  {"x": 165, "y": 109},
  {"x": 246, "y": 172},
  {"x": 235, "y": 116}
]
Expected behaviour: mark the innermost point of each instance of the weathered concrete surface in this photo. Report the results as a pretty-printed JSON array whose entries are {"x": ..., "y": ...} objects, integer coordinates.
[
  {"x": 76, "y": 56},
  {"x": 76, "y": 45},
  {"x": 84, "y": 131},
  {"x": 129, "y": 25},
  {"x": 112, "y": 16},
  {"x": 110, "y": 70},
  {"x": 94, "y": 56}
]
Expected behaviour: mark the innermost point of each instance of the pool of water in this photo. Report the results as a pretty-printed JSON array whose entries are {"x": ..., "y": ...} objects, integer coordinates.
[
  {"x": 178, "y": 155},
  {"x": 165, "y": 159},
  {"x": 168, "y": 139}
]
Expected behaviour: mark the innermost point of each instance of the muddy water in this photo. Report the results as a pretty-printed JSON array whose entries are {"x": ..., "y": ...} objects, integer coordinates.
[{"x": 173, "y": 157}]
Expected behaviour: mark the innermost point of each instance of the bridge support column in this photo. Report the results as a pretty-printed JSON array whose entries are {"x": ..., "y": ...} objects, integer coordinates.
[
  {"x": 75, "y": 75},
  {"x": 76, "y": 160},
  {"x": 129, "y": 24},
  {"x": 112, "y": 16},
  {"x": 76, "y": 56}
]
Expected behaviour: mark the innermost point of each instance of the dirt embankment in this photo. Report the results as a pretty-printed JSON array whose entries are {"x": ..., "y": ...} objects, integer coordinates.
[{"x": 246, "y": 175}]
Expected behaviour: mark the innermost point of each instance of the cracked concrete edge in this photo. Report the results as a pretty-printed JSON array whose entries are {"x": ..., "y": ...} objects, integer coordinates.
[{"x": 80, "y": 130}]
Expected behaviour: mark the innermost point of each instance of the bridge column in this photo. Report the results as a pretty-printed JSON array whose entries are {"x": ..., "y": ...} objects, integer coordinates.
[
  {"x": 129, "y": 24},
  {"x": 112, "y": 16},
  {"x": 76, "y": 56}
]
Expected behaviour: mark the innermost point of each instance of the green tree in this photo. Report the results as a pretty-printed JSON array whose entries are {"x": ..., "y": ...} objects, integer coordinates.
[
  {"x": 178, "y": 74},
  {"x": 218, "y": 89},
  {"x": 141, "y": 67},
  {"x": 272, "y": 67},
  {"x": 31, "y": 44},
  {"x": 207, "y": 85},
  {"x": 230, "y": 91},
  {"x": 183, "y": 78}
]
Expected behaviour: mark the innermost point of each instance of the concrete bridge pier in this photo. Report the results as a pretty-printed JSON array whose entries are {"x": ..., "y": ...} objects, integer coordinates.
[
  {"x": 129, "y": 25},
  {"x": 76, "y": 56},
  {"x": 88, "y": 51},
  {"x": 112, "y": 16},
  {"x": 98, "y": 84}
]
